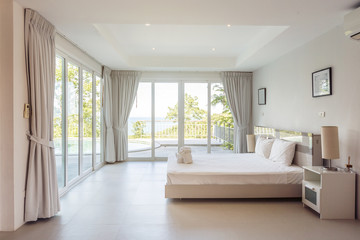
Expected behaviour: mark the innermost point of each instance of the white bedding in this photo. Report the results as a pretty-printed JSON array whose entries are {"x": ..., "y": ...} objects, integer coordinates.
[{"x": 246, "y": 168}]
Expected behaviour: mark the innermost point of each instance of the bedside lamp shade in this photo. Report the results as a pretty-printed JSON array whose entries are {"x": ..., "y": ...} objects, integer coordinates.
[
  {"x": 250, "y": 139},
  {"x": 330, "y": 143}
]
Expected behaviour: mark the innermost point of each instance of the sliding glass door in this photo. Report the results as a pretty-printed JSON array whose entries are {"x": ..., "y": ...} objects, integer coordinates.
[
  {"x": 77, "y": 121},
  {"x": 73, "y": 121},
  {"x": 139, "y": 124},
  {"x": 98, "y": 123},
  {"x": 196, "y": 116},
  {"x": 59, "y": 102},
  {"x": 87, "y": 120},
  {"x": 169, "y": 115},
  {"x": 166, "y": 118}
]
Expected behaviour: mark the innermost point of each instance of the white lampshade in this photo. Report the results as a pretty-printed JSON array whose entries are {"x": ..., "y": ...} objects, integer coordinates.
[
  {"x": 330, "y": 142},
  {"x": 250, "y": 139}
]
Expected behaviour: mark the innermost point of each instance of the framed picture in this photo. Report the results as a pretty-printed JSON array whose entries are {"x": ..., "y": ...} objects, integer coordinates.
[
  {"x": 321, "y": 83},
  {"x": 262, "y": 96}
]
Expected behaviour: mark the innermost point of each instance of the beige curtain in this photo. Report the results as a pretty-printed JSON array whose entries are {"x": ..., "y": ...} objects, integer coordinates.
[
  {"x": 42, "y": 199},
  {"x": 238, "y": 89},
  {"x": 108, "y": 119},
  {"x": 124, "y": 89}
]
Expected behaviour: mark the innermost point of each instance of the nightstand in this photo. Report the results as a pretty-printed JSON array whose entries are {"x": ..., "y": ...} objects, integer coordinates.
[{"x": 331, "y": 194}]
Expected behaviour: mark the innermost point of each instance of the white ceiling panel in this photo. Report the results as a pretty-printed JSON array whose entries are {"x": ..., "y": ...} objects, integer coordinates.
[{"x": 184, "y": 32}]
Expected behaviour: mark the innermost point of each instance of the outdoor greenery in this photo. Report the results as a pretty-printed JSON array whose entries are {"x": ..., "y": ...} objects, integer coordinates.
[
  {"x": 73, "y": 77},
  {"x": 138, "y": 129},
  {"x": 192, "y": 111},
  {"x": 195, "y": 118}
]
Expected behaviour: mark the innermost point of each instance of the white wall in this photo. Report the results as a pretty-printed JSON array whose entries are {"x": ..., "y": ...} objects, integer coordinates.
[
  {"x": 6, "y": 116},
  {"x": 68, "y": 48},
  {"x": 13, "y": 95},
  {"x": 21, "y": 125},
  {"x": 290, "y": 104}
]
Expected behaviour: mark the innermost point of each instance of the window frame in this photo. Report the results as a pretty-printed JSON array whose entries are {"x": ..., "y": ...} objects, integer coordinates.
[
  {"x": 81, "y": 174},
  {"x": 181, "y": 94}
]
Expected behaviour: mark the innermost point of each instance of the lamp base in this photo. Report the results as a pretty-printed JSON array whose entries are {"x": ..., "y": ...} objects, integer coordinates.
[{"x": 334, "y": 169}]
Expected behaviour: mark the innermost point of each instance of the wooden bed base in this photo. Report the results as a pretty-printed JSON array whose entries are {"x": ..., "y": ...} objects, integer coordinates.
[{"x": 233, "y": 191}]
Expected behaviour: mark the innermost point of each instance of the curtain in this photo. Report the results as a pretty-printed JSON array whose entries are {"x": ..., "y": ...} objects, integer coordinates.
[
  {"x": 108, "y": 119},
  {"x": 42, "y": 199},
  {"x": 237, "y": 87},
  {"x": 124, "y": 89}
]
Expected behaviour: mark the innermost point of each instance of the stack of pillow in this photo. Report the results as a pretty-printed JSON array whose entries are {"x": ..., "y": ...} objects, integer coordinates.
[{"x": 276, "y": 150}]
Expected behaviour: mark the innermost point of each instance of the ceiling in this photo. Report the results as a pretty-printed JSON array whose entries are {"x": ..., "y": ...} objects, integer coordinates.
[{"x": 191, "y": 35}]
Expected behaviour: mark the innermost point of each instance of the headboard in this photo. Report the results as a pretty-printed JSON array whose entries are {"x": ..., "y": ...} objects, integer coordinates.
[{"x": 308, "y": 145}]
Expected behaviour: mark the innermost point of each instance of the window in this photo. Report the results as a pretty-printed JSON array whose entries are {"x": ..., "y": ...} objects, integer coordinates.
[
  {"x": 166, "y": 118},
  {"x": 98, "y": 117},
  {"x": 87, "y": 120},
  {"x": 73, "y": 121},
  {"x": 168, "y": 115},
  {"x": 77, "y": 120},
  {"x": 59, "y": 101}
]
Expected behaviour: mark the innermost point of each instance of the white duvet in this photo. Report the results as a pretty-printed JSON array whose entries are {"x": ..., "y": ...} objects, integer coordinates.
[{"x": 246, "y": 168}]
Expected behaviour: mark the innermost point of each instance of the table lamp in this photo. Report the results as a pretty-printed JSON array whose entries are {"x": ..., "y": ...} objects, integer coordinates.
[
  {"x": 250, "y": 139},
  {"x": 330, "y": 144}
]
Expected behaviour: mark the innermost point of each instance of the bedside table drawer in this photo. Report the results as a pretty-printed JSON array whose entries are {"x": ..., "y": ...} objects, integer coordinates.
[{"x": 311, "y": 196}]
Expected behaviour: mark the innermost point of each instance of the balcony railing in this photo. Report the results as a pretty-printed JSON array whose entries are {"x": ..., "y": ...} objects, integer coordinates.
[
  {"x": 169, "y": 129},
  {"x": 225, "y": 133},
  {"x": 165, "y": 129}
]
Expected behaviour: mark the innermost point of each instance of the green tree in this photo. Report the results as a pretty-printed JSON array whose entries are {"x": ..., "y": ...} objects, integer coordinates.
[
  {"x": 224, "y": 118},
  {"x": 138, "y": 129},
  {"x": 219, "y": 97},
  {"x": 58, "y": 97},
  {"x": 192, "y": 111},
  {"x": 87, "y": 104}
]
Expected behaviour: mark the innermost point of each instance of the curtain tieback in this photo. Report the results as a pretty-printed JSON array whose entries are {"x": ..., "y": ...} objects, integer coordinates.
[
  {"x": 41, "y": 141},
  {"x": 242, "y": 128}
]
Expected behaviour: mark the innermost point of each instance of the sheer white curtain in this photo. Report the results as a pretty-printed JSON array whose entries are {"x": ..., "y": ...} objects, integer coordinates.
[
  {"x": 108, "y": 118},
  {"x": 42, "y": 199},
  {"x": 124, "y": 89},
  {"x": 238, "y": 89}
]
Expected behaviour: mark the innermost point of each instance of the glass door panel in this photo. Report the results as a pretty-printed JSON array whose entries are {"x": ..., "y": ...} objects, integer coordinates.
[
  {"x": 195, "y": 116},
  {"x": 166, "y": 118},
  {"x": 98, "y": 123},
  {"x": 222, "y": 127},
  {"x": 73, "y": 85},
  {"x": 58, "y": 121},
  {"x": 87, "y": 114},
  {"x": 139, "y": 124}
]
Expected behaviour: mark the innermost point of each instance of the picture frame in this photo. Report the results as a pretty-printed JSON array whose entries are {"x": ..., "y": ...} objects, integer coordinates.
[
  {"x": 261, "y": 96},
  {"x": 321, "y": 83}
]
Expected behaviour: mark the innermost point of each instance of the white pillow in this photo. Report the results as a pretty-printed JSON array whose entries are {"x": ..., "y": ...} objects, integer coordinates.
[
  {"x": 263, "y": 147},
  {"x": 283, "y": 152}
]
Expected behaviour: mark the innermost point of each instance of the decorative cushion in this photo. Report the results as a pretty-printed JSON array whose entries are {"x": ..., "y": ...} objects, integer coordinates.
[
  {"x": 283, "y": 152},
  {"x": 263, "y": 147}
]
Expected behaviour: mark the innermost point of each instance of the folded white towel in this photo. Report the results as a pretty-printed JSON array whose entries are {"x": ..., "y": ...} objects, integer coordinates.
[{"x": 184, "y": 155}]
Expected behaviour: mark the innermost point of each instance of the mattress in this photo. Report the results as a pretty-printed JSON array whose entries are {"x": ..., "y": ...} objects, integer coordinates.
[{"x": 245, "y": 168}]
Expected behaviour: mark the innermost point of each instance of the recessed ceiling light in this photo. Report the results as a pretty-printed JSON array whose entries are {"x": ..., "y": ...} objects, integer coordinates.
[
  {"x": 213, "y": 49},
  {"x": 147, "y": 24},
  {"x": 153, "y": 49},
  {"x": 228, "y": 25}
]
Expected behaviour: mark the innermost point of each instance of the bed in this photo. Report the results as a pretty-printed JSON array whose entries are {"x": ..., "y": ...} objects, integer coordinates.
[{"x": 244, "y": 175}]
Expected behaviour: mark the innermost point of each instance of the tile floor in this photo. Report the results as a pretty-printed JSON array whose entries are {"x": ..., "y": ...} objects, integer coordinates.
[{"x": 126, "y": 201}]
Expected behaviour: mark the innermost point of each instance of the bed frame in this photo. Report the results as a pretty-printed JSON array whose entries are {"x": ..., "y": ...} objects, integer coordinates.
[{"x": 307, "y": 153}]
